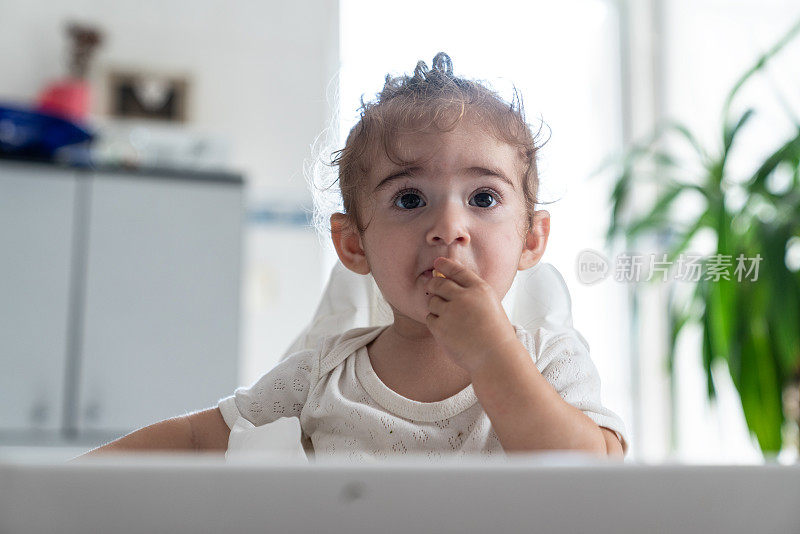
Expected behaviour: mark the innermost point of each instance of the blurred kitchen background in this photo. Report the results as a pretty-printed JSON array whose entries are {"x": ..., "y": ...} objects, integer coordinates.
[{"x": 156, "y": 240}]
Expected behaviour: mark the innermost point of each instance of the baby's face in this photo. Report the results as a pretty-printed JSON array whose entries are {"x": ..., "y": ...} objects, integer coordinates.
[{"x": 461, "y": 198}]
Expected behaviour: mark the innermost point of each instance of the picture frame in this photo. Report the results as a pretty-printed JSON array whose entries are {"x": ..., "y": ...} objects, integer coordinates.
[{"x": 143, "y": 95}]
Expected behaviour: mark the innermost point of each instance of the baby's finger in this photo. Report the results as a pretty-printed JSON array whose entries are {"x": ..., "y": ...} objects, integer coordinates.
[
  {"x": 443, "y": 287},
  {"x": 453, "y": 270},
  {"x": 436, "y": 305},
  {"x": 431, "y": 320}
]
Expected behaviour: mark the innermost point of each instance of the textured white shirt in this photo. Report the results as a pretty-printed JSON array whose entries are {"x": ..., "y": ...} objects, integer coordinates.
[{"x": 346, "y": 411}]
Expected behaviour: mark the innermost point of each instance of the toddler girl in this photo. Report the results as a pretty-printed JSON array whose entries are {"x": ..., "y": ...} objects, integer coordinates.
[{"x": 439, "y": 174}]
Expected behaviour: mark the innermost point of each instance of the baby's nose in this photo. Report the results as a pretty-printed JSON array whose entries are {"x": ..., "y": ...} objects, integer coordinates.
[{"x": 448, "y": 227}]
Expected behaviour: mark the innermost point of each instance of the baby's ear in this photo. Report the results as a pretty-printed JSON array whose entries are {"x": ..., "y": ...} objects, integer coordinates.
[
  {"x": 535, "y": 240},
  {"x": 348, "y": 244}
]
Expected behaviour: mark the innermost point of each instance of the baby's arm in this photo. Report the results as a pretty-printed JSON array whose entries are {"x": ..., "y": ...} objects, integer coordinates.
[
  {"x": 201, "y": 431},
  {"x": 207, "y": 430},
  {"x": 613, "y": 445}
]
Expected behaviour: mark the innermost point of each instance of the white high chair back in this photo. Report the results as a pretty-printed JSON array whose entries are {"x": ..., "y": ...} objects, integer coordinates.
[{"x": 537, "y": 298}]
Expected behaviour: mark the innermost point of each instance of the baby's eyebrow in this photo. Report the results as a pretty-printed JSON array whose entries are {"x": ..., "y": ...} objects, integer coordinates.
[
  {"x": 475, "y": 171},
  {"x": 485, "y": 171},
  {"x": 406, "y": 171}
]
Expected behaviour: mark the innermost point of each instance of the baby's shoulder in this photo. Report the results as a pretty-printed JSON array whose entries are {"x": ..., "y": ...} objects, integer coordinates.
[
  {"x": 334, "y": 349},
  {"x": 544, "y": 341}
]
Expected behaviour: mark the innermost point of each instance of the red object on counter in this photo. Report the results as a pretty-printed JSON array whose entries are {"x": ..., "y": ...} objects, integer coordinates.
[{"x": 67, "y": 98}]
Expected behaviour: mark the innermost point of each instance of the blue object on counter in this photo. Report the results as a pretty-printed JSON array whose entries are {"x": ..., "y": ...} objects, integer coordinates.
[{"x": 27, "y": 133}]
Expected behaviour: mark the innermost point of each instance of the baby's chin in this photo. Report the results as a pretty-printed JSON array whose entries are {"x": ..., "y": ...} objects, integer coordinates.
[
  {"x": 409, "y": 304},
  {"x": 414, "y": 318}
]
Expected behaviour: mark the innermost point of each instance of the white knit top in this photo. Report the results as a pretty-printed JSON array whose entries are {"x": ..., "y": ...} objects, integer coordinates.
[{"x": 346, "y": 411}]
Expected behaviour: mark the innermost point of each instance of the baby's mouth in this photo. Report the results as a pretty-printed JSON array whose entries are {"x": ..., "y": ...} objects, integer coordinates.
[{"x": 428, "y": 274}]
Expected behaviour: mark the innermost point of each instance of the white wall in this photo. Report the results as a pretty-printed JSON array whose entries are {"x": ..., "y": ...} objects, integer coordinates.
[{"x": 259, "y": 71}]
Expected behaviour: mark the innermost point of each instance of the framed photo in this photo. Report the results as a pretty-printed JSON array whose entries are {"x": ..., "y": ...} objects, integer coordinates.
[{"x": 149, "y": 96}]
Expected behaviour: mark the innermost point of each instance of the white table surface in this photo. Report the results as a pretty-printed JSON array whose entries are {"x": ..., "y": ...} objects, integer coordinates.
[{"x": 41, "y": 493}]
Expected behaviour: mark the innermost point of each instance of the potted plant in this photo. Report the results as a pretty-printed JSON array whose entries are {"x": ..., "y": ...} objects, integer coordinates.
[{"x": 753, "y": 325}]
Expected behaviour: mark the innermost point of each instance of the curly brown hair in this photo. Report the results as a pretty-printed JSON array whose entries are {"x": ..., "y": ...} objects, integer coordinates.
[{"x": 430, "y": 99}]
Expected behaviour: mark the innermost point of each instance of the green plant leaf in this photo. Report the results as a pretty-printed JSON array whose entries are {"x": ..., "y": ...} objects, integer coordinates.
[
  {"x": 788, "y": 152},
  {"x": 783, "y": 313},
  {"x": 757, "y": 66},
  {"x": 729, "y": 133},
  {"x": 753, "y": 325},
  {"x": 708, "y": 357},
  {"x": 680, "y": 128},
  {"x": 720, "y": 319},
  {"x": 619, "y": 200},
  {"x": 657, "y": 215},
  {"x": 761, "y": 388},
  {"x": 679, "y": 317},
  {"x": 685, "y": 237}
]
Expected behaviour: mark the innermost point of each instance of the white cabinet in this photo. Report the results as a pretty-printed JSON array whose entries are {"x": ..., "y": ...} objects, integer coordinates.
[
  {"x": 160, "y": 332},
  {"x": 36, "y": 239},
  {"x": 119, "y": 297}
]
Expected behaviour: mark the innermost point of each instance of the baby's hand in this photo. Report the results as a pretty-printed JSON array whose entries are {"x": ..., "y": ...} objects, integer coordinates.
[{"x": 466, "y": 317}]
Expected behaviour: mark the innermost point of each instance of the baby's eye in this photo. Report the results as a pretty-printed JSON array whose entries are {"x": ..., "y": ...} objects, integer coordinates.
[
  {"x": 484, "y": 199},
  {"x": 408, "y": 200}
]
